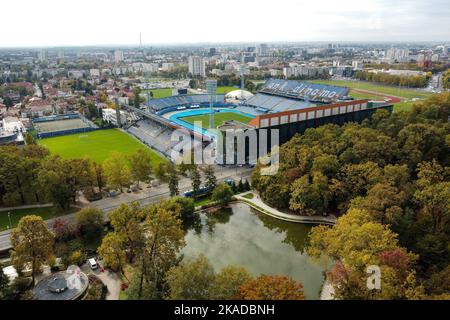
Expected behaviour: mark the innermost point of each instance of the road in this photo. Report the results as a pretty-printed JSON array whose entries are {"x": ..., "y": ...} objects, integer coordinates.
[{"x": 155, "y": 194}]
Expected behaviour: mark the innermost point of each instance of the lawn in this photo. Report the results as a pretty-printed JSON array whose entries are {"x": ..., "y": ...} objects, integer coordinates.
[
  {"x": 16, "y": 215},
  {"x": 219, "y": 118},
  {"x": 388, "y": 90},
  {"x": 97, "y": 145},
  {"x": 406, "y": 94},
  {"x": 225, "y": 89},
  {"x": 160, "y": 93}
]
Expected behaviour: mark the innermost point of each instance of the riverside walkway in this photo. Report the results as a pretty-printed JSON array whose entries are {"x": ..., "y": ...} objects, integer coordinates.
[{"x": 257, "y": 204}]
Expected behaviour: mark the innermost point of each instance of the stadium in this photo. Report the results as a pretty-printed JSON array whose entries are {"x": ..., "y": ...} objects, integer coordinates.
[{"x": 287, "y": 106}]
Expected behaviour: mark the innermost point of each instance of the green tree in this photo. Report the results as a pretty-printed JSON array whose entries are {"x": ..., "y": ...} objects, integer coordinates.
[
  {"x": 210, "y": 177},
  {"x": 357, "y": 242},
  {"x": 227, "y": 283},
  {"x": 140, "y": 166},
  {"x": 116, "y": 171},
  {"x": 89, "y": 221},
  {"x": 196, "y": 180},
  {"x": 173, "y": 180},
  {"x": 113, "y": 253},
  {"x": 310, "y": 196},
  {"x": 164, "y": 240},
  {"x": 191, "y": 280},
  {"x": 4, "y": 284},
  {"x": 222, "y": 194},
  {"x": 32, "y": 244},
  {"x": 126, "y": 222}
]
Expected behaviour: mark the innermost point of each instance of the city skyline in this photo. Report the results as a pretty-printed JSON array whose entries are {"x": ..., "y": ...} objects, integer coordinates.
[{"x": 45, "y": 24}]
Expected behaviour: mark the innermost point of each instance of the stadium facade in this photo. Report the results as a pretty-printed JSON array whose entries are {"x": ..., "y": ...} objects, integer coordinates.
[{"x": 281, "y": 109}]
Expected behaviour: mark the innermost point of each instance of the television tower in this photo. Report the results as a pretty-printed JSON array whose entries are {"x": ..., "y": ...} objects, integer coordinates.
[
  {"x": 242, "y": 76},
  {"x": 140, "y": 40}
]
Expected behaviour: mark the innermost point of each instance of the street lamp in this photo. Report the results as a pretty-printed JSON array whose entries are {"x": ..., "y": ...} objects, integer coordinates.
[{"x": 9, "y": 218}]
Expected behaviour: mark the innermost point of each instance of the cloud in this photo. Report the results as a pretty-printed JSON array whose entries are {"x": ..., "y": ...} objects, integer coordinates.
[{"x": 87, "y": 22}]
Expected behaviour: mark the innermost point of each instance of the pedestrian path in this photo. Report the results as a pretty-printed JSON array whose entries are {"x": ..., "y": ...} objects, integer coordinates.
[{"x": 259, "y": 205}]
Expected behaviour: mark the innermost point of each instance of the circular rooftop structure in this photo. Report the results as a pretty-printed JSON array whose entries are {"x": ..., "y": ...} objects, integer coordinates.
[
  {"x": 239, "y": 95},
  {"x": 64, "y": 285}
]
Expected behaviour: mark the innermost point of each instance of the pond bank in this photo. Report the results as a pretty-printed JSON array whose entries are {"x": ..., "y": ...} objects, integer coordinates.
[{"x": 257, "y": 204}]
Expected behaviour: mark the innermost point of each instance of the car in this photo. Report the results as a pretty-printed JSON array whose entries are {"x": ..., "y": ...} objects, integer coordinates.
[{"x": 92, "y": 263}]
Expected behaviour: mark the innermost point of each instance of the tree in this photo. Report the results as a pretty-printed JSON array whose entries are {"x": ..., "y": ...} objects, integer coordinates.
[
  {"x": 161, "y": 172},
  {"x": 126, "y": 222},
  {"x": 32, "y": 244},
  {"x": 310, "y": 195},
  {"x": 89, "y": 221},
  {"x": 357, "y": 242},
  {"x": 222, "y": 194},
  {"x": 140, "y": 165},
  {"x": 116, "y": 171},
  {"x": 61, "y": 229},
  {"x": 240, "y": 186},
  {"x": 196, "y": 180},
  {"x": 267, "y": 287},
  {"x": 227, "y": 283},
  {"x": 433, "y": 195},
  {"x": 181, "y": 206},
  {"x": 384, "y": 203},
  {"x": 164, "y": 240},
  {"x": 191, "y": 280},
  {"x": 173, "y": 180},
  {"x": 112, "y": 251},
  {"x": 210, "y": 178},
  {"x": 4, "y": 284}
]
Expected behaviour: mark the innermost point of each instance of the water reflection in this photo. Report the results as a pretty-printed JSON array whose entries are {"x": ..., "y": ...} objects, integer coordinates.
[{"x": 264, "y": 245}]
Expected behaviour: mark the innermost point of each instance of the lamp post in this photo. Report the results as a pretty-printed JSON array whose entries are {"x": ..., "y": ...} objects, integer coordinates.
[{"x": 9, "y": 218}]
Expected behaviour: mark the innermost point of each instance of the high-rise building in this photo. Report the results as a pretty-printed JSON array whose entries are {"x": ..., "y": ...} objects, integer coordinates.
[
  {"x": 42, "y": 56},
  {"x": 197, "y": 66},
  {"x": 263, "y": 50},
  {"x": 212, "y": 52},
  {"x": 397, "y": 55},
  {"x": 118, "y": 56}
]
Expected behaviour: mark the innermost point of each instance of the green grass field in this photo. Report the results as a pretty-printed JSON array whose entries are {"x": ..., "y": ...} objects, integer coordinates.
[
  {"x": 97, "y": 145},
  {"x": 225, "y": 89},
  {"x": 406, "y": 94},
  {"x": 16, "y": 215},
  {"x": 388, "y": 90},
  {"x": 219, "y": 118},
  {"x": 159, "y": 93}
]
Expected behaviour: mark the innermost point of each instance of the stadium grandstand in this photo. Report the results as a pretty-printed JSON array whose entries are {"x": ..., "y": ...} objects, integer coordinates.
[{"x": 285, "y": 105}]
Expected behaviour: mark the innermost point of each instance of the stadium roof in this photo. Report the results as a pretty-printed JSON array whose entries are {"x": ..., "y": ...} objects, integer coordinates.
[{"x": 239, "y": 95}]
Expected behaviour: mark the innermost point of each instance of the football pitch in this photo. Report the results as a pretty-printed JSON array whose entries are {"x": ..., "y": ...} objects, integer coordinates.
[
  {"x": 219, "y": 118},
  {"x": 97, "y": 145}
]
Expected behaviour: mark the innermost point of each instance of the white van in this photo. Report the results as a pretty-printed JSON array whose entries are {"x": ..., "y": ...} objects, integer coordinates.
[{"x": 93, "y": 263}]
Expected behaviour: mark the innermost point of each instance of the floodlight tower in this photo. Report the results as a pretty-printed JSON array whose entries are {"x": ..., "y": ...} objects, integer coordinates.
[
  {"x": 242, "y": 76},
  {"x": 116, "y": 100},
  {"x": 211, "y": 88}
]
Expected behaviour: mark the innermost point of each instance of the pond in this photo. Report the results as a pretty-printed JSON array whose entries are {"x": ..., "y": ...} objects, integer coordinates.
[{"x": 264, "y": 245}]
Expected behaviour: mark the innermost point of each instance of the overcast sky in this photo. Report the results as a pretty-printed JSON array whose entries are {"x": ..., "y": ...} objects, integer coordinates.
[{"x": 109, "y": 22}]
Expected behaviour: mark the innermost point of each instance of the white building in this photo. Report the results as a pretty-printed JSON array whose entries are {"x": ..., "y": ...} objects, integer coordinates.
[
  {"x": 397, "y": 55},
  {"x": 166, "y": 66},
  {"x": 109, "y": 115},
  {"x": 197, "y": 66},
  {"x": 94, "y": 72},
  {"x": 357, "y": 65}
]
